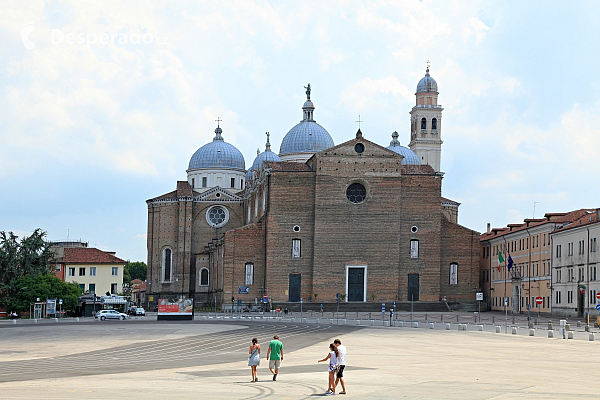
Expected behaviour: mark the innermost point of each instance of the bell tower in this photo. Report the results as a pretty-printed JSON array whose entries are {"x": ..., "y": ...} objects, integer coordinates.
[{"x": 426, "y": 123}]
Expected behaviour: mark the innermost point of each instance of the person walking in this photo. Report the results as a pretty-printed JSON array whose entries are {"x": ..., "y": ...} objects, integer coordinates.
[
  {"x": 340, "y": 373},
  {"x": 275, "y": 356},
  {"x": 254, "y": 358},
  {"x": 334, "y": 365}
]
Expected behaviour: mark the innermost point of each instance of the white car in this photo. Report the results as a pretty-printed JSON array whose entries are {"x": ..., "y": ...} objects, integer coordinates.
[
  {"x": 108, "y": 314},
  {"x": 140, "y": 311}
]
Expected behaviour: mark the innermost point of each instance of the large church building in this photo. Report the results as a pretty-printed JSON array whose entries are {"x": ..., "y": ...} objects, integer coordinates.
[{"x": 316, "y": 219}]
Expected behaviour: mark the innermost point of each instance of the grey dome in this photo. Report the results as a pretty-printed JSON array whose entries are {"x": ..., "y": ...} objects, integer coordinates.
[
  {"x": 307, "y": 136},
  {"x": 266, "y": 155},
  {"x": 427, "y": 84},
  {"x": 217, "y": 154},
  {"x": 410, "y": 158}
]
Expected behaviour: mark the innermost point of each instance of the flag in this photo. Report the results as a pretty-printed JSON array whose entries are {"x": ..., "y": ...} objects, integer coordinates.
[
  {"x": 500, "y": 260},
  {"x": 510, "y": 262}
]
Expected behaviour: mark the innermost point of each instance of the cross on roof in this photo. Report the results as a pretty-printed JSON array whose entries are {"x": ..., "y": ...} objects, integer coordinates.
[
  {"x": 359, "y": 121},
  {"x": 218, "y": 121}
]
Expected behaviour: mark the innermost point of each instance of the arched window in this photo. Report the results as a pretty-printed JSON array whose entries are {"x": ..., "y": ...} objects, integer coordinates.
[
  {"x": 167, "y": 263},
  {"x": 423, "y": 124},
  {"x": 434, "y": 124},
  {"x": 204, "y": 277}
]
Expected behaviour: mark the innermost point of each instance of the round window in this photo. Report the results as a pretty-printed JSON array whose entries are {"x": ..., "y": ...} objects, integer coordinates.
[
  {"x": 359, "y": 147},
  {"x": 356, "y": 193},
  {"x": 414, "y": 229},
  {"x": 296, "y": 228},
  {"x": 217, "y": 216}
]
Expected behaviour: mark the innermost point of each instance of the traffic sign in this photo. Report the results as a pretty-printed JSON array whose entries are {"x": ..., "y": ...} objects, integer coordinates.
[
  {"x": 382, "y": 307},
  {"x": 479, "y": 296},
  {"x": 60, "y": 301},
  {"x": 598, "y": 307},
  {"x": 337, "y": 295},
  {"x": 265, "y": 299},
  {"x": 538, "y": 300},
  {"x": 598, "y": 295},
  {"x": 394, "y": 303},
  {"x": 278, "y": 309}
]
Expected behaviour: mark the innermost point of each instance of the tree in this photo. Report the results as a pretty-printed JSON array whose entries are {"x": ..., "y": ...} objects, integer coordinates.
[
  {"x": 30, "y": 256},
  {"x": 135, "y": 270},
  {"x": 28, "y": 288}
]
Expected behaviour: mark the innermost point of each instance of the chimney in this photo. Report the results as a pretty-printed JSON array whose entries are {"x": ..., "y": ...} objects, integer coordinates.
[
  {"x": 597, "y": 214},
  {"x": 489, "y": 226}
]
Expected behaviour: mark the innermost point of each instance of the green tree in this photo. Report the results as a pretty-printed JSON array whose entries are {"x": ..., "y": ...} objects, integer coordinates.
[
  {"x": 29, "y": 256},
  {"x": 28, "y": 288},
  {"x": 135, "y": 270}
]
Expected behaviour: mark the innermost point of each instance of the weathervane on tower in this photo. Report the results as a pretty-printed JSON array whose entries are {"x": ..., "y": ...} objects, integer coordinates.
[{"x": 307, "y": 91}]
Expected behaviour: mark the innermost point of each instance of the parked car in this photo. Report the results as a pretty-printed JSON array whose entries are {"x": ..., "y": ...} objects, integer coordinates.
[
  {"x": 140, "y": 311},
  {"x": 131, "y": 310},
  {"x": 110, "y": 314}
]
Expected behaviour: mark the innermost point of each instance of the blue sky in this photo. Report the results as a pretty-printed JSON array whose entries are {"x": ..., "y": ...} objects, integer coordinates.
[{"x": 90, "y": 131}]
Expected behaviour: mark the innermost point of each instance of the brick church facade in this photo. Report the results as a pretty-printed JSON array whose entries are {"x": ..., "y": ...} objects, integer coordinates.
[{"x": 317, "y": 219}]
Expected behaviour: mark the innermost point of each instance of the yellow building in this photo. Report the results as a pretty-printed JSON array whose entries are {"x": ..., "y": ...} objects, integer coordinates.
[
  {"x": 95, "y": 271},
  {"x": 529, "y": 246}
]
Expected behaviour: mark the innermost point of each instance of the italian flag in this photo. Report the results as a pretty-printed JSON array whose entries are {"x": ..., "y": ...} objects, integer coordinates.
[{"x": 500, "y": 260}]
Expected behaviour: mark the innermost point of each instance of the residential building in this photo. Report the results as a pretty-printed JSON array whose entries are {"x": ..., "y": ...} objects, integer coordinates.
[
  {"x": 575, "y": 263},
  {"x": 529, "y": 246},
  {"x": 95, "y": 271}
]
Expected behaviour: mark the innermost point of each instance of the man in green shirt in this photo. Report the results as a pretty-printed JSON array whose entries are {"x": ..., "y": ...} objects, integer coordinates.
[{"x": 275, "y": 355}]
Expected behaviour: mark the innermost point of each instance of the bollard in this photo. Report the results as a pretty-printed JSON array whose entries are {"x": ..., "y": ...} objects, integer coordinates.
[
  {"x": 358, "y": 322},
  {"x": 480, "y": 327},
  {"x": 14, "y": 321},
  {"x": 532, "y": 332},
  {"x": 77, "y": 319},
  {"x": 592, "y": 337},
  {"x": 35, "y": 321},
  {"x": 55, "y": 319},
  {"x": 514, "y": 330},
  {"x": 457, "y": 318},
  {"x": 493, "y": 320},
  {"x": 415, "y": 324},
  {"x": 344, "y": 321},
  {"x": 568, "y": 327},
  {"x": 587, "y": 328},
  {"x": 372, "y": 322},
  {"x": 432, "y": 325},
  {"x": 402, "y": 324},
  {"x": 579, "y": 324},
  {"x": 331, "y": 321},
  {"x": 570, "y": 335},
  {"x": 465, "y": 326},
  {"x": 530, "y": 324},
  {"x": 497, "y": 329},
  {"x": 550, "y": 325},
  {"x": 550, "y": 333},
  {"x": 425, "y": 317},
  {"x": 460, "y": 327},
  {"x": 386, "y": 323},
  {"x": 447, "y": 327}
]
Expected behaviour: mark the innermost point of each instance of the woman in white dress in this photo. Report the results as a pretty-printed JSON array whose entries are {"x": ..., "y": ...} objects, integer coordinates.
[
  {"x": 254, "y": 358},
  {"x": 334, "y": 365}
]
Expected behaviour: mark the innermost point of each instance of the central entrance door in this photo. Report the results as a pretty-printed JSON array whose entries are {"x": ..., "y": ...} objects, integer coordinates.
[
  {"x": 295, "y": 283},
  {"x": 413, "y": 287},
  {"x": 356, "y": 284}
]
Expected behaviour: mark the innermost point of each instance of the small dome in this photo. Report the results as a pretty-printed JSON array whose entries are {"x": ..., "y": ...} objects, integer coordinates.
[
  {"x": 427, "y": 84},
  {"x": 217, "y": 154},
  {"x": 307, "y": 136},
  {"x": 266, "y": 155},
  {"x": 410, "y": 158}
]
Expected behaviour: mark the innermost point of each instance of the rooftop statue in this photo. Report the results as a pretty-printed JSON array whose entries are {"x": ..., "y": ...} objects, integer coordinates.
[{"x": 307, "y": 91}]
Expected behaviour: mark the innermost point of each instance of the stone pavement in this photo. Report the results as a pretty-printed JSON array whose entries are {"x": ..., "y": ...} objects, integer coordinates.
[{"x": 208, "y": 360}]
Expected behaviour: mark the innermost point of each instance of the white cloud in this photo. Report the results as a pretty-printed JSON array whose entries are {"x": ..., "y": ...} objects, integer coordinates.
[{"x": 369, "y": 93}]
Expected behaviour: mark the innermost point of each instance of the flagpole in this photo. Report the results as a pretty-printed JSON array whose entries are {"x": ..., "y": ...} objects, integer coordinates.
[{"x": 505, "y": 298}]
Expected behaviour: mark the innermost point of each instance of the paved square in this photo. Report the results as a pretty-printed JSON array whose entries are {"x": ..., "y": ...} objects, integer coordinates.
[{"x": 151, "y": 360}]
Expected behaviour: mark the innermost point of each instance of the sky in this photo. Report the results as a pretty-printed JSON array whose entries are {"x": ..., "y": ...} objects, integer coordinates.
[{"x": 104, "y": 102}]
